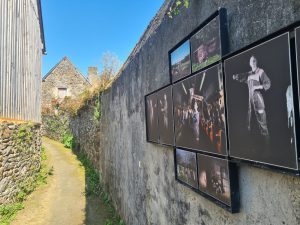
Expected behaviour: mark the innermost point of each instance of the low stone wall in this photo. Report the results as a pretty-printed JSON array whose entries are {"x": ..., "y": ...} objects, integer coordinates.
[
  {"x": 20, "y": 148},
  {"x": 86, "y": 131},
  {"x": 56, "y": 126}
]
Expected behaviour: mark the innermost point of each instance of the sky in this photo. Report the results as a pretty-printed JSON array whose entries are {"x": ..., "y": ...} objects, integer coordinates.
[
  {"x": 181, "y": 52},
  {"x": 83, "y": 30}
]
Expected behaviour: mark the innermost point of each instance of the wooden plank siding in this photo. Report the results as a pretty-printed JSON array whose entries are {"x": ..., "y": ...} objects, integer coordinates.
[{"x": 21, "y": 49}]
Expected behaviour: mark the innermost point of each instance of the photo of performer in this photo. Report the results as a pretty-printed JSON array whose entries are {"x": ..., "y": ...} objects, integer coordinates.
[
  {"x": 213, "y": 176},
  {"x": 186, "y": 167},
  {"x": 260, "y": 107},
  {"x": 165, "y": 116},
  {"x": 206, "y": 46},
  {"x": 152, "y": 118},
  {"x": 257, "y": 81},
  {"x": 199, "y": 112}
]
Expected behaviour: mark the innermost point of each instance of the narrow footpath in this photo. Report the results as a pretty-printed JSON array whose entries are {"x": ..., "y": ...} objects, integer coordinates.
[{"x": 62, "y": 200}]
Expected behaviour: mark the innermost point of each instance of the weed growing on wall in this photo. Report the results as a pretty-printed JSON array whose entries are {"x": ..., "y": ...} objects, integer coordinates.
[
  {"x": 9, "y": 211},
  {"x": 176, "y": 7},
  {"x": 24, "y": 133},
  {"x": 68, "y": 141},
  {"x": 97, "y": 110}
]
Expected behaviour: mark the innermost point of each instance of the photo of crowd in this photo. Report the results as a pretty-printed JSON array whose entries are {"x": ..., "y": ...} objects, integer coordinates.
[
  {"x": 152, "y": 118},
  {"x": 206, "y": 45},
  {"x": 165, "y": 116},
  {"x": 260, "y": 104},
  {"x": 186, "y": 167},
  {"x": 180, "y": 62},
  {"x": 213, "y": 176},
  {"x": 199, "y": 112}
]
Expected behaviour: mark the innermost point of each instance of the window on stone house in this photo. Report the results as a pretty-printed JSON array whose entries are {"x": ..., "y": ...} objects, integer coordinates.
[{"x": 62, "y": 92}]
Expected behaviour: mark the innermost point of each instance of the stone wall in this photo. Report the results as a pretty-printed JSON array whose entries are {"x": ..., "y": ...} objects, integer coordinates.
[
  {"x": 63, "y": 75},
  {"x": 86, "y": 130},
  {"x": 56, "y": 126},
  {"x": 139, "y": 175},
  {"x": 20, "y": 148}
]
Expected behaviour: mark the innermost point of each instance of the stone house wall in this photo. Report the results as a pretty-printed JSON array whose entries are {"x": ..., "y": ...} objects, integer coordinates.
[
  {"x": 20, "y": 153},
  {"x": 63, "y": 75},
  {"x": 139, "y": 175}
]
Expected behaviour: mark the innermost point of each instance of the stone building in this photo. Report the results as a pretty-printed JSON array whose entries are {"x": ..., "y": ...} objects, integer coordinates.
[
  {"x": 61, "y": 81},
  {"x": 21, "y": 49}
]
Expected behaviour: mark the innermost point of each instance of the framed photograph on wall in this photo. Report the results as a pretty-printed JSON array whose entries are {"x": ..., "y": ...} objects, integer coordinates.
[
  {"x": 152, "y": 118},
  {"x": 186, "y": 167},
  {"x": 213, "y": 177},
  {"x": 180, "y": 61},
  {"x": 206, "y": 45},
  {"x": 165, "y": 116},
  {"x": 199, "y": 112},
  {"x": 260, "y": 104},
  {"x": 297, "y": 45}
]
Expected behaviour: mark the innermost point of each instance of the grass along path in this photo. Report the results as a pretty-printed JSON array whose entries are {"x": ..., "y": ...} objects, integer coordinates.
[{"x": 63, "y": 201}]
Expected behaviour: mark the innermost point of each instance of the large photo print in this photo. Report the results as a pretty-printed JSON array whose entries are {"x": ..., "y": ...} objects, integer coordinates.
[
  {"x": 213, "y": 176},
  {"x": 199, "y": 112},
  {"x": 152, "y": 118},
  {"x": 206, "y": 45},
  {"x": 260, "y": 104},
  {"x": 180, "y": 62},
  {"x": 165, "y": 116},
  {"x": 186, "y": 167}
]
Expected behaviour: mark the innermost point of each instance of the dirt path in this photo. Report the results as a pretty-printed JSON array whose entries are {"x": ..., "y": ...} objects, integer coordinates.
[{"x": 62, "y": 200}]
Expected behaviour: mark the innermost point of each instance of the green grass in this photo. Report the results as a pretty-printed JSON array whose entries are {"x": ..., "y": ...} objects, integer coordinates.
[
  {"x": 94, "y": 187},
  {"x": 9, "y": 211},
  {"x": 210, "y": 60}
]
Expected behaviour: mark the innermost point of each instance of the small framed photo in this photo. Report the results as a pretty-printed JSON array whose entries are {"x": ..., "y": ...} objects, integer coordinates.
[
  {"x": 206, "y": 45},
  {"x": 186, "y": 167},
  {"x": 199, "y": 112},
  {"x": 152, "y": 118},
  {"x": 165, "y": 116},
  {"x": 180, "y": 62},
  {"x": 260, "y": 104},
  {"x": 214, "y": 178}
]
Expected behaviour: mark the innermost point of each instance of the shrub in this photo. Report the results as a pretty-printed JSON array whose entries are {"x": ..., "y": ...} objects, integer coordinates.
[{"x": 69, "y": 141}]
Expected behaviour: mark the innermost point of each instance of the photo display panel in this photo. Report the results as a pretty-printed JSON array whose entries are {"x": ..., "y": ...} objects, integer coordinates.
[
  {"x": 260, "y": 106},
  {"x": 152, "y": 118},
  {"x": 165, "y": 116},
  {"x": 181, "y": 62},
  {"x": 213, "y": 177},
  {"x": 199, "y": 113},
  {"x": 206, "y": 45},
  {"x": 186, "y": 167},
  {"x": 297, "y": 34}
]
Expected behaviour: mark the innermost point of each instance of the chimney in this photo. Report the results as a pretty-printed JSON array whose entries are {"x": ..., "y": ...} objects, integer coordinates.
[{"x": 92, "y": 74}]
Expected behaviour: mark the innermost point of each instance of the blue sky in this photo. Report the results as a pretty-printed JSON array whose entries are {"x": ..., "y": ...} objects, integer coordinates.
[
  {"x": 84, "y": 30},
  {"x": 180, "y": 52}
]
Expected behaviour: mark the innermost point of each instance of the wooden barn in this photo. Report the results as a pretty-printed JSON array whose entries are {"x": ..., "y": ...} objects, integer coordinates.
[{"x": 22, "y": 45}]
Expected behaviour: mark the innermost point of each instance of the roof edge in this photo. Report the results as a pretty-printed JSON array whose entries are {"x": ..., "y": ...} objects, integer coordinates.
[
  {"x": 39, "y": 3},
  {"x": 54, "y": 67}
]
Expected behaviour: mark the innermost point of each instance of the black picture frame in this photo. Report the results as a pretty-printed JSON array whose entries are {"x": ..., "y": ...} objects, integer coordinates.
[
  {"x": 262, "y": 134},
  {"x": 165, "y": 116},
  {"x": 186, "y": 167},
  {"x": 180, "y": 61},
  {"x": 199, "y": 112},
  {"x": 151, "y": 114},
  {"x": 233, "y": 203},
  {"x": 221, "y": 16}
]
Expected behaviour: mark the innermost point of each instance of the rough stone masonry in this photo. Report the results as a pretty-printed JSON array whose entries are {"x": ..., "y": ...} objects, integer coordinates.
[
  {"x": 20, "y": 148},
  {"x": 139, "y": 175}
]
